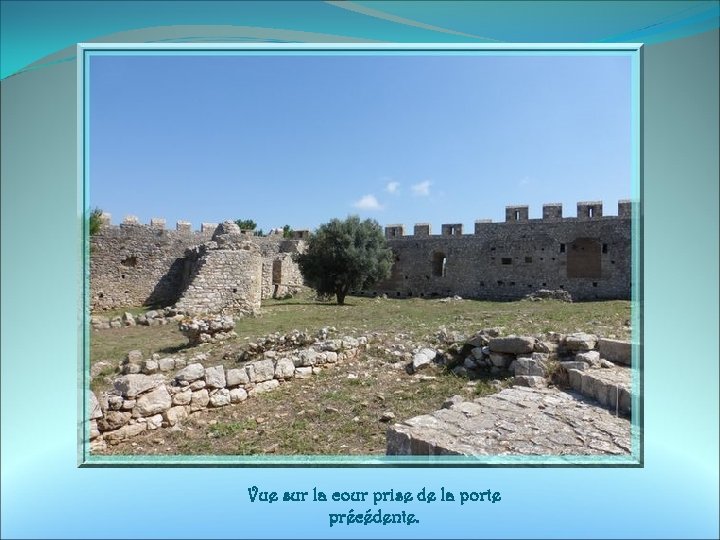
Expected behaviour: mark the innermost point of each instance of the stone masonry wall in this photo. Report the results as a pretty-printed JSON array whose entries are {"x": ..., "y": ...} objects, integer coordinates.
[
  {"x": 134, "y": 265},
  {"x": 588, "y": 256},
  {"x": 223, "y": 281}
]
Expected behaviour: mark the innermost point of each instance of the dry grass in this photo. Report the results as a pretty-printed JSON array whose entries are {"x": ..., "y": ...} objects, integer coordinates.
[{"x": 332, "y": 413}]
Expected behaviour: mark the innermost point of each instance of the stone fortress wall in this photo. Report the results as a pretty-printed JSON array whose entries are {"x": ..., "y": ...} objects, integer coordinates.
[
  {"x": 589, "y": 256},
  {"x": 133, "y": 264}
]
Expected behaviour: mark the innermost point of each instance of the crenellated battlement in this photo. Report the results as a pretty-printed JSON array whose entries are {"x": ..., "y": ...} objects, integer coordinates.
[{"x": 552, "y": 213}]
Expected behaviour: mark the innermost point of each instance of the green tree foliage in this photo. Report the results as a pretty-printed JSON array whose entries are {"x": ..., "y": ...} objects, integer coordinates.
[
  {"x": 287, "y": 231},
  {"x": 246, "y": 224},
  {"x": 345, "y": 255},
  {"x": 95, "y": 221}
]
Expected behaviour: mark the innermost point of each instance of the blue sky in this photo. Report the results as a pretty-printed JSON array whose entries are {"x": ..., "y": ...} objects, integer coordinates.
[{"x": 302, "y": 139}]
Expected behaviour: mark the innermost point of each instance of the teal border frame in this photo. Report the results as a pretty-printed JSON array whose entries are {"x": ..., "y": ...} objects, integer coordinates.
[{"x": 636, "y": 457}]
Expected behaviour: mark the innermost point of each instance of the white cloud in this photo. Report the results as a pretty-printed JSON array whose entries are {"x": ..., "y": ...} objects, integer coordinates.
[
  {"x": 422, "y": 189},
  {"x": 367, "y": 202},
  {"x": 392, "y": 187}
]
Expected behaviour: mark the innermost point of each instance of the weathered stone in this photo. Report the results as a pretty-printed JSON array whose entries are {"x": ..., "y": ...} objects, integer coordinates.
[
  {"x": 128, "y": 404},
  {"x": 190, "y": 373},
  {"x": 199, "y": 400},
  {"x": 152, "y": 403},
  {"x": 94, "y": 431},
  {"x": 453, "y": 400},
  {"x": 501, "y": 360},
  {"x": 182, "y": 398},
  {"x": 197, "y": 385},
  {"x": 423, "y": 358},
  {"x": 98, "y": 367},
  {"x": 220, "y": 398},
  {"x": 128, "y": 319},
  {"x": 591, "y": 358},
  {"x": 512, "y": 344},
  {"x": 305, "y": 358},
  {"x": 149, "y": 367},
  {"x": 166, "y": 364},
  {"x": 477, "y": 353},
  {"x": 264, "y": 386},
  {"x": 331, "y": 356},
  {"x": 236, "y": 377},
  {"x": 175, "y": 414},
  {"x": 580, "y": 341},
  {"x": 215, "y": 377},
  {"x": 581, "y": 366},
  {"x": 131, "y": 369},
  {"x": 237, "y": 395},
  {"x": 113, "y": 420},
  {"x": 284, "y": 369},
  {"x": 616, "y": 351},
  {"x": 260, "y": 371},
  {"x": 114, "y": 403},
  {"x": 303, "y": 372},
  {"x": 515, "y": 421},
  {"x": 134, "y": 384},
  {"x": 95, "y": 409},
  {"x": 134, "y": 357},
  {"x": 528, "y": 367},
  {"x": 531, "y": 381},
  {"x": 125, "y": 432},
  {"x": 154, "y": 422},
  {"x": 387, "y": 416}
]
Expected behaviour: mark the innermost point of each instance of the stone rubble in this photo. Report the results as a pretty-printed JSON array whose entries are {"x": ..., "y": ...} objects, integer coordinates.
[{"x": 151, "y": 400}]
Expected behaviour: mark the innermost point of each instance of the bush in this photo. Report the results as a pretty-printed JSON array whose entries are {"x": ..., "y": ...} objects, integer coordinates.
[{"x": 95, "y": 221}]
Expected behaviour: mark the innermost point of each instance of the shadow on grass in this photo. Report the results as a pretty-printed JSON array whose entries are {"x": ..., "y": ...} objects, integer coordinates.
[{"x": 174, "y": 348}]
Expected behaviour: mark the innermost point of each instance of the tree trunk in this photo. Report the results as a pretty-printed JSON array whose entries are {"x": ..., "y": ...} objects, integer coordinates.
[{"x": 340, "y": 298}]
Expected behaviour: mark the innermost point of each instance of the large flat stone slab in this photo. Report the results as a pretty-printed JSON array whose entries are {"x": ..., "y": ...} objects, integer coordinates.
[{"x": 515, "y": 421}]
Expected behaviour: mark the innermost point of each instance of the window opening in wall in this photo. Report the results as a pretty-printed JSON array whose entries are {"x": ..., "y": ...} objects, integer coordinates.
[
  {"x": 562, "y": 248},
  {"x": 500, "y": 282},
  {"x": 492, "y": 249},
  {"x": 397, "y": 293},
  {"x": 594, "y": 283},
  {"x": 482, "y": 283},
  {"x": 506, "y": 260},
  {"x": 528, "y": 259},
  {"x": 234, "y": 289},
  {"x": 439, "y": 264},
  {"x": 612, "y": 262},
  {"x": 122, "y": 276},
  {"x": 544, "y": 284},
  {"x": 422, "y": 294},
  {"x": 604, "y": 248},
  {"x": 590, "y": 211},
  {"x": 512, "y": 283},
  {"x": 517, "y": 215}
]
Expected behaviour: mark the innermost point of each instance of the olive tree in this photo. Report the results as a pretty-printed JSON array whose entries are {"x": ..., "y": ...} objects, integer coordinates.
[{"x": 345, "y": 255}]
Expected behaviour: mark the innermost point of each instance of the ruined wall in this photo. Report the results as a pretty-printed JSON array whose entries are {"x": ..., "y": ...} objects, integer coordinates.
[
  {"x": 588, "y": 256},
  {"x": 134, "y": 264},
  {"x": 280, "y": 274},
  {"x": 222, "y": 280}
]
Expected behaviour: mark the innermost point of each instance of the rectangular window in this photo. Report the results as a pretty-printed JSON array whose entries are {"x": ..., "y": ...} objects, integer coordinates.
[
  {"x": 604, "y": 248},
  {"x": 528, "y": 259},
  {"x": 562, "y": 248},
  {"x": 506, "y": 260}
]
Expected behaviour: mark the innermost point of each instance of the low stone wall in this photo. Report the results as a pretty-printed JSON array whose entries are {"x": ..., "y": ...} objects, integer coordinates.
[
  {"x": 147, "y": 397},
  {"x": 151, "y": 318}
]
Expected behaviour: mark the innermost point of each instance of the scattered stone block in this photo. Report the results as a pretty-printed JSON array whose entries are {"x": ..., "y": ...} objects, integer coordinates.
[
  {"x": 512, "y": 344},
  {"x": 616, "y": 351}
]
